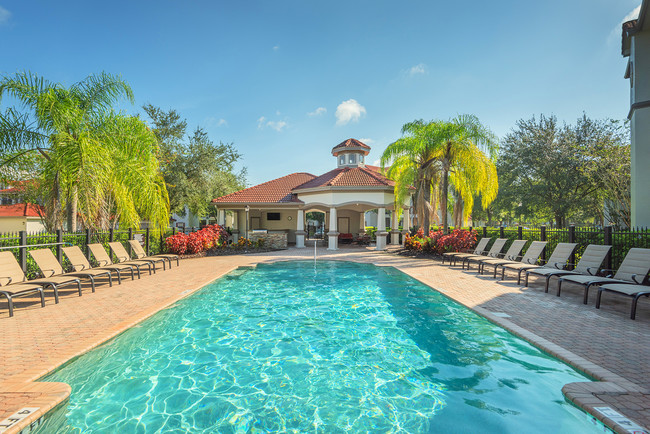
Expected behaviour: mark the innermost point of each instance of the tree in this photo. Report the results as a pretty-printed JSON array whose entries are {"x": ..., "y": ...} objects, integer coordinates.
[
  {"x": 555, "y": 172},
  {"x": 196, "y": 171},
  {"x": 74, "y": 131},
  {"x": 440, "y": 157}
]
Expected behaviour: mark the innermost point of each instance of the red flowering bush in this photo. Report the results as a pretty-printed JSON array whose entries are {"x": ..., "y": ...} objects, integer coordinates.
[
  {"x": 196, "y": 242},
  {"x": 437, "y": 242}
]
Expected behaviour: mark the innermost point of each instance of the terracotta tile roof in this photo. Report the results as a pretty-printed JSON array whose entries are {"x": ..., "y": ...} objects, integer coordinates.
[
  {"x": 351, "y": 144},
  {"x": 349, "y": 177},
  {"x": 21, "y": 210},
  {"x": 275, "y": 191},
  {"x": 10, "y": 190}
]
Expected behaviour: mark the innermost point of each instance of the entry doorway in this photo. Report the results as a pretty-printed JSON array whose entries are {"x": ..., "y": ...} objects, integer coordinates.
[{"x": 343, "y": 225}]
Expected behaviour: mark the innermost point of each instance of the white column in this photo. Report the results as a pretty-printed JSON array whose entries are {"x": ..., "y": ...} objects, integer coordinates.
[
  {"x": 394, "y": 228},
  {"x": 300, "y": 229},
  {"x": 362, "y": 223},
  {"x": 235, "y": 227},
  {"x": 381, "y": 229},
  {"x": 221, "y": 217},
  {"x": 406, "y": 225},
  {"x": 333, "y": 234}
]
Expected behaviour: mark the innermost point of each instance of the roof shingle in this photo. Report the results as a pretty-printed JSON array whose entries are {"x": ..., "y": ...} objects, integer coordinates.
[
  {"x": 349, "y": 177},
  {"x": 275, "y": 191},
  {"x": 21, "y": 210}
]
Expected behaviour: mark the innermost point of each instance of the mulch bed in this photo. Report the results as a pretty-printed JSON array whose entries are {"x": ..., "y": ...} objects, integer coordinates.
[{"x": 240, "y": 251}]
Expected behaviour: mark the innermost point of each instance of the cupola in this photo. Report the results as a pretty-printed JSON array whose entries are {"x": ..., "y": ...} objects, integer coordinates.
[{"x": 350, "y": 153}]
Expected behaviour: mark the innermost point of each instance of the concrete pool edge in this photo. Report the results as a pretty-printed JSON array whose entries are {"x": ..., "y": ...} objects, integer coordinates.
[{"x": 581, "y": 394}]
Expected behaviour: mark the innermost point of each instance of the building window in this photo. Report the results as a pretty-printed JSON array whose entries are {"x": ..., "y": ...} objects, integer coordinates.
[
  {"x": 353, "y": 159},
  {"x": 341, "y": 160},
  {"x": 360, "y": 158}
]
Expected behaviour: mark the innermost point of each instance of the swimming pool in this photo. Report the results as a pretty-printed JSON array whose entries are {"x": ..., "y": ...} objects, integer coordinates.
[{"x": 326, "y": 347}]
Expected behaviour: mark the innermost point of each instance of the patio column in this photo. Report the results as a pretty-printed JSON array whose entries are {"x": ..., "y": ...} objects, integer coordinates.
[
  {"x": 362, "y": 223},
  {"x": 394, "y": 228},
  {"x": 333, "y": 233},
  {"x": 406, "y": 225},
  {"x": 235, "y": 226},
  {"x": 300, "y": 229},
  {"x": 381, "y": 229},
  {"x": 221, "y": 217}
]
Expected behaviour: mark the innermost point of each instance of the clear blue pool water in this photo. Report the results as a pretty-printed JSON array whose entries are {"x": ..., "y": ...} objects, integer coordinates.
[{"x": 332, "y": 347}]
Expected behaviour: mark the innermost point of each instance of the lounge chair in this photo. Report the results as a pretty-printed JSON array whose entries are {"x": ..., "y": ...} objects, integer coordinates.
[
  {"x": 633, "y": 270},
  {"x": 11, "y": 269},
  {"x": 142, "y": 255},
  {"x": 80, "y": 263},
  {"x": 11, "y": 282},
  {"x": 626, "y": 289},
  {"x": 558, "y": 261},
  {"x": 529, "y": 259},
  {"x": 513, "y": 253},
  {"x": 494, "y": 252},
  {"x": 123, "y": 256},
  {"x": 104, "y": 260},
  {"x": 50, "y": 267},
  {"x": 479, "y": 250},
  {"x": 589, "y": 265}
]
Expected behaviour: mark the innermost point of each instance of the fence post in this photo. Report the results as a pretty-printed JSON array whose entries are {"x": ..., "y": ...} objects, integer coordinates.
[
  {"x": 608, "y": 242},
  {"x": 130, "y": 238},
  {"x": 111, "y": 235},
  {"x": 87, "y": 242},
  {"x": 484, "y": 231},
  {"x": 173, "y": 231},
  {"x": 146, "y": 242},
  {"x": 59, "y": 246},
  {"x": 22, "y": 235},
  {"x": 520, "y": 232},
  {"x": 572, "y": 239},
  {"x": 542, "y": 237},
  {"x": 502, "y": 232},
  {"x": 160, "y": 248}
]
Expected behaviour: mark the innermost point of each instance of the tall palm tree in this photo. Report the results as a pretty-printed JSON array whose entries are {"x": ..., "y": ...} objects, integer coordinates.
[
  {"x": 436, "y": 155},
  {"x": 69, "y": 128}
]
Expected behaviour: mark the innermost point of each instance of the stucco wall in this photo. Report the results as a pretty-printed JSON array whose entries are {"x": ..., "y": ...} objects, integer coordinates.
[
  {"x": 16, "y": 224},
  {"x": 340, "y": 197}
]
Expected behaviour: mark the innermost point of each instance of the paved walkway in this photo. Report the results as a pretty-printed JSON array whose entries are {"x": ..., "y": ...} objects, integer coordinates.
[{"x": 604, "y": 343}]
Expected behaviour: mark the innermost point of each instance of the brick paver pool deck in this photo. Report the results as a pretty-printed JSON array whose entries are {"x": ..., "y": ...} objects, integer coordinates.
[{"x": 604, "y": 343}]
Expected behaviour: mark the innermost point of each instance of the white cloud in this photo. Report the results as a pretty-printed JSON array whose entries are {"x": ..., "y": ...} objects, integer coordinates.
[
  {"x": 276, "y": 48},
  {"x": 319, "y": 111},
  {"x": 419, "y": 69},
  {"x": 367, "y": 141},
  {"x": 4, "y": 16},
  {"x": 276, "y": 125},
  {"x": 349, "y": 111},
  {"x": 222, "y": 123},
  {"x": 615, "y": 35},
  {"x": 260, "y": 122}
]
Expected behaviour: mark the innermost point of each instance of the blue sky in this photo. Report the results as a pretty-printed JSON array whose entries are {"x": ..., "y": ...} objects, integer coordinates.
[{"x": 288, "y": 80}]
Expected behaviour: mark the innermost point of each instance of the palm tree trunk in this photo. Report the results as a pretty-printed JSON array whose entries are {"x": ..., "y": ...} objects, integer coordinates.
[
  {"x": 73, "y": 201},
  {"x": 426, "y": 223},
  {"x": 443, "y": 200}
]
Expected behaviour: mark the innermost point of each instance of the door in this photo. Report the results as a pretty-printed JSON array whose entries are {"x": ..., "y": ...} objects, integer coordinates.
[{"x": 343, "y": 224}]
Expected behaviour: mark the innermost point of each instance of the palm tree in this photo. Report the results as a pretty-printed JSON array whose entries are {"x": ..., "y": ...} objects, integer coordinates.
[
  {"x": 436, "y": 155},
  {"x": 70, "y": 128}
]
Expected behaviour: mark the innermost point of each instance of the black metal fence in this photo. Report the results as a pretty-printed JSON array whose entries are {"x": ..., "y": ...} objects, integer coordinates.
[
  {"x": 621, "y": 240},
  {"x": 21, "y": 242}
]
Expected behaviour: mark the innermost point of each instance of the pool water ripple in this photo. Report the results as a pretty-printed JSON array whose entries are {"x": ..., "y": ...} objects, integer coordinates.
[{"x": 340, "y": 347}]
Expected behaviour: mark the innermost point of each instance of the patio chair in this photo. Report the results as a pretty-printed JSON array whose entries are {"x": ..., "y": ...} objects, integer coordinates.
[
  {"x": 104, "y": 260},
  {"x": 142, "y": 255},
  {"x": 494, "y": 252},
  {"x": 11, "y": 269},
  {"x": 123, "y": 256},
  {"x": 50, "y": 267},
  {"x": 588, "y": 265},
  {"x": 11, "y": 281},
  {"x": 626, "y": 289},
  {"x": 558, "y": 261},
  {"x": 530, "y": 258},
  {"x": 80, "y": 263},
  {"x": 478, "y": 250},
  {"x": 513, "y": 253},
  {"x": 633, "y": 270}
]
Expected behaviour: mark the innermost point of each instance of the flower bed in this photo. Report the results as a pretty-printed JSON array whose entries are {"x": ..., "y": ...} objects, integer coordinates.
[
  {"x": 438, "y": 243},
  {"x": 196, "y": 242}
]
